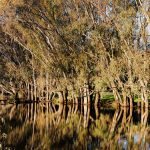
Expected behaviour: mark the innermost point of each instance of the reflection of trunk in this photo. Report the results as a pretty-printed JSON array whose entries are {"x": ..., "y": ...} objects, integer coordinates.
[
  {"x": 64, "y": 112},
  {"x": 60, "y": 109},
  {"x": 86, "y": 115},
  {"x": 46, "y": 116},
  {"x": 115, "y": 120},
  {"x": 144, "y": 116},
  {"x": 96, "y": 112},
  {"x": 76, "y": 100},
  {"x": 97, "y": 98},
  {"x": 69, "y": 114},
  {"x": 57, "y": 115},
  {"x": 130, "y": 115},
  {"x": 124, "y": 118},
  {"x": 34, "y": 122},
  {"x": 47, "y": 87},
  {"x": 76, "y": 109}
]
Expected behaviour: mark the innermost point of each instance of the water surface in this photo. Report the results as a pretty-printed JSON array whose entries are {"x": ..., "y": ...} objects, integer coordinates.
[{"x": 45, "y": 126}]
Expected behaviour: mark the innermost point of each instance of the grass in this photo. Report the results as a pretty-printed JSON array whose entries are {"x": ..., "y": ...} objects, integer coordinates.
[{"x": 107, "y": 96}]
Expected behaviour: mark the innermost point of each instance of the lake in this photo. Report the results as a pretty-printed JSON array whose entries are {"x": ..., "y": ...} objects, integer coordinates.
[{"x": 48, "y": 126}]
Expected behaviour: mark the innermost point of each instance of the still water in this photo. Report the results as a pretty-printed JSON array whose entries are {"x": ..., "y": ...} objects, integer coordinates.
[{"x": 45, "y": 126}]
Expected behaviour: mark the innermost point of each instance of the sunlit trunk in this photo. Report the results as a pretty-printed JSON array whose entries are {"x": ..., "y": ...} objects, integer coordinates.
[
  {"x": 81, "y": 97},
  {"x": 86, "y": 95},
  {"x": 31, "y": 92},
  {"x": 131, "y": 101},
  {"x": 2, "y": 94},
  {"x": 123, "y": 91},
  {"x": 144, "y": 95},
  {"x": 28, "y": 91},
  {"x": 116, "y": 94},
  {"x": 47, "y": 87},
  {"x": 61, "y": 97},
  {"x": 34, "y": 84}
]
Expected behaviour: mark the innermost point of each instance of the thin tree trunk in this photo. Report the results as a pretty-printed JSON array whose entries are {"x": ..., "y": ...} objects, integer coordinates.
[
  {"x": 65, "y": 95},
  {"x": 86, "y": 95},
  {"x": 61, "y": 97},
  {"x": 116, "y": 93},
  {"x": 31, "y": 91},
  {"x": 28, "y": 91},
  {"x": 144, "y": 93},
  {"x": 76, "y": 100},
  {"x": 47, "y": 88},
  {"x": 2, "y": 94},
  {"x": 97, "y": 98}
]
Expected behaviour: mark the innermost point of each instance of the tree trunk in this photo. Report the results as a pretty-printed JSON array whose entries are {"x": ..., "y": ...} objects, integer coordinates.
[
  {"x": 2, "y": 94},
  {"x": 125, "y": 102},
  {"x": 32, "y": 92},
  {"x": 28, "y": 91},
  {"x": 65, "y": 95},
  {"x": 97, "y": 98},
  {"x": 96, "y": 112},
  {"x": 47, "y": 88},
  {"x": 144, "y": 95},
  {"x": 61, "y": 97},
  {"x": 86, "y": 95},
  {"x": 116, "y": 93},
  {"x": 76, "y": 100},
  {"x": 131, "y": 101}
]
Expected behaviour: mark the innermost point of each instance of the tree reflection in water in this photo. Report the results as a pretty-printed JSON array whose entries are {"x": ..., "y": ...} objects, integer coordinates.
[{"x": 47, "y": 126}]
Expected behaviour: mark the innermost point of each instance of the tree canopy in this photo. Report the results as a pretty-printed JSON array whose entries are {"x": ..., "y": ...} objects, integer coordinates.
[{"x": 53, "y": 45}]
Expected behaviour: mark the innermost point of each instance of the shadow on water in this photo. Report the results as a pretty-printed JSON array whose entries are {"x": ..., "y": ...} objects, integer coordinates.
[{"x": 44, "y": 126}]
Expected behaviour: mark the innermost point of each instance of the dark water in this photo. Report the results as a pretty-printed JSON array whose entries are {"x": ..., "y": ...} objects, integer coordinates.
[{"x": 51, "y": 127}]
